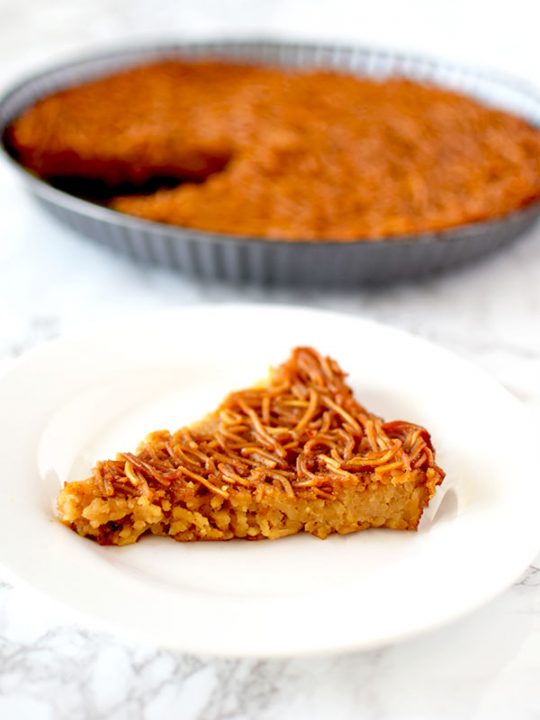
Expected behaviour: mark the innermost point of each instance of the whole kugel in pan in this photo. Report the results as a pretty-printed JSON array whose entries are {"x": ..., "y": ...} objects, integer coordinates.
[
  {"x": 288, "y": 154},
  {"x": 279, "y": 163}
]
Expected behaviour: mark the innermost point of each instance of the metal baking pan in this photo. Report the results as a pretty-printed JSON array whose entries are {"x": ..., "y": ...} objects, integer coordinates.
[{"x": 270, "y": 262}]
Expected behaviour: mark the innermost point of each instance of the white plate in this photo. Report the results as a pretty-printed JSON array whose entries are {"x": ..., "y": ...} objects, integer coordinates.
[{"x": 74, "y": 401}]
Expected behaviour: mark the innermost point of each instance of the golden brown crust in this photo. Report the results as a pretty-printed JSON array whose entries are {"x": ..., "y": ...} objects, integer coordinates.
[
  {"x": 296, "y": 454},
  {"x": 293, "y": 155}
]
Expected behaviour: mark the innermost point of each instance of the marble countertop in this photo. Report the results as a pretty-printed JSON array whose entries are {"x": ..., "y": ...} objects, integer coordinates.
[{"x": 51, "y": 281}]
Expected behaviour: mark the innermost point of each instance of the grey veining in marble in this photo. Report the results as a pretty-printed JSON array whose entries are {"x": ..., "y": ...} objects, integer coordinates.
[{"x": 485, "y": 666}]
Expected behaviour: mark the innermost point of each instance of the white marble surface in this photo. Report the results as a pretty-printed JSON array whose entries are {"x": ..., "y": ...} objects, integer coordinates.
[{"x": 484, "y": 667}]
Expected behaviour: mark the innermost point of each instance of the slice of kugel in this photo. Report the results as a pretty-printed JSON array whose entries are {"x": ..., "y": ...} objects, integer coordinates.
[{"x": 297, "y": 453}]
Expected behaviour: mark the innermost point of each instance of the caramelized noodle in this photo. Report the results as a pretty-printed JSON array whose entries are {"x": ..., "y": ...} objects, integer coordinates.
[{"x": 289, "y": 433}]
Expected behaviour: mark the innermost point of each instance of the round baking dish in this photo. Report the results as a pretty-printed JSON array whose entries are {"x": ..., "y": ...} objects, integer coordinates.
[{"x": 258, "y": 260}]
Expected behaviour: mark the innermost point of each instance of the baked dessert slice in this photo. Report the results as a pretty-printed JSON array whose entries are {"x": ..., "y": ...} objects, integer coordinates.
[{"x": 297, "y": 453}]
